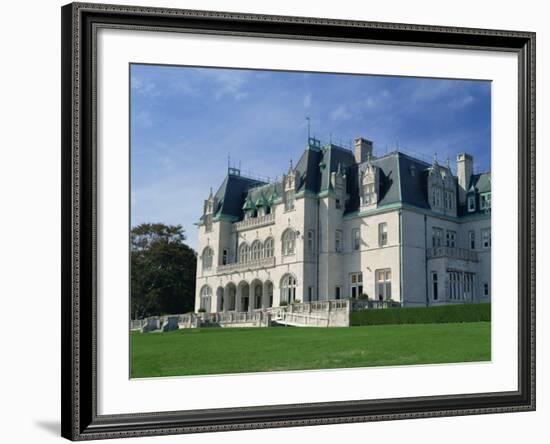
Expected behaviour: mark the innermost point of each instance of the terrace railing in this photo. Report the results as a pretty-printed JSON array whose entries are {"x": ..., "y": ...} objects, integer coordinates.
[
  {"x": 254, "y": 222},
  {"x": 308, "y": 314},
  {"x": 454, "y": 253},
  {"x": 254, "y": 264}
]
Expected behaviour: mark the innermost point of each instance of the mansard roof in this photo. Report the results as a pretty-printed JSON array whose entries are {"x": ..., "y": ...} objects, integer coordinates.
[
  {"x": 232, "y": 193},
  {"x": 481, "y": 182},
  {"x": 332, "y": 156},
  {"x": 402, "y": 179}
]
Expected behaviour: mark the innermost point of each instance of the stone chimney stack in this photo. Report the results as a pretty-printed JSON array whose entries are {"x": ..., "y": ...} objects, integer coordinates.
[
  {"x": 363, "y": 150},
  {"x": 464, "y": 171}
]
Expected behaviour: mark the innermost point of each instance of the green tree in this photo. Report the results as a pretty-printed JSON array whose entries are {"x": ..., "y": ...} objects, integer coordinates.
[{"x": 163, "y": 270}]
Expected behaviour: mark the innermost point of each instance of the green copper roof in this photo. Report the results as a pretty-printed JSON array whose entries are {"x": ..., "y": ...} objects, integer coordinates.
[
  {"x": 273, "y": 197},
  {"x": 248, "y": 205},
  {"x": 262, "y": 201}
]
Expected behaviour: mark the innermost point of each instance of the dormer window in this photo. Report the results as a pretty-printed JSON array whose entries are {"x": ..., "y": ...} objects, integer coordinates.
[
  {"x": 436, "y": 196},
  {"x": 369, "y": 186},
  {"x": 449, "y": 200},
  {"x": 289, "y": 185},
  {"x": 208, "y": 223},
  {"x": 369, "y": 194},
  {"x": 471, "y": 203},
  {"x": 289, "y": 200},
  {"x": 249, "y": 208},
  {"x": 485, "y": 201},
  {"x": 209, "y": 206}
]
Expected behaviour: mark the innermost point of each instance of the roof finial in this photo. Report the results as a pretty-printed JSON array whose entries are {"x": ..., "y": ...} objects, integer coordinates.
[
  {"x": 435, "y": 157},
  {"x": 448, "y": 163},
  {"x": 308, "y": 129},
  {"x": 210, "y": 195},
  {"x": 290, "y": 167}
]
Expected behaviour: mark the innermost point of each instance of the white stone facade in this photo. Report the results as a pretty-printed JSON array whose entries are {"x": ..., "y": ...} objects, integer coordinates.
[{"x": 326, "y": 240}]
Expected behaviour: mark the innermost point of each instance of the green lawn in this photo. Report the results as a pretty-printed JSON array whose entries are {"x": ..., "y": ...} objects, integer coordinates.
[{"x": 236, "y": 350}]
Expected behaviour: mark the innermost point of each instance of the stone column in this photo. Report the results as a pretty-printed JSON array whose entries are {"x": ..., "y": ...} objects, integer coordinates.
[
  {"x": 264, "y": 295},
  {"x": 251, "y": 296},
  {"x": 225, "y": 295},
  {"x": 218, "y": 301}
]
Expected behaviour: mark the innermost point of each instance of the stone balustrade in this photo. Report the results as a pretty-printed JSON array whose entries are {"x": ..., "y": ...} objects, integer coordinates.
[
  {"x": 333, "y": 313},
  {"x": 454, "y": 253},
  {"x": 254, "y": 222},
  {"x": 304, "y": 320},
  {"x": 254, "y": 264},
  {"x": 138, "y": 324}
]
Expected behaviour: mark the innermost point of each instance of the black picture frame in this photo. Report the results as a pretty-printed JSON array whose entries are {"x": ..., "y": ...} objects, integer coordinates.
[{"x": 79, "y": 208}]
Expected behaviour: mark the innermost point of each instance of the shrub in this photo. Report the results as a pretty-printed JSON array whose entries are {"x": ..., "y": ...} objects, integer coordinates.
[
  {"x": 283, "y": 304},
  {"x": 297, "y": 301},
  {"x": 201, "y": 310},
  {"x": 423, "y": 315},
  {"x": 363, "y": 296}
]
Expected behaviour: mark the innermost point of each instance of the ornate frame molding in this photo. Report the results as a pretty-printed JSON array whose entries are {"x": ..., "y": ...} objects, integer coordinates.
[{"x": 80, "y": 22}]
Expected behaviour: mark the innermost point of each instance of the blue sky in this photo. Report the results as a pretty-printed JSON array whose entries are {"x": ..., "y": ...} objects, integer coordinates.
[{"x": 185, "y": 122}]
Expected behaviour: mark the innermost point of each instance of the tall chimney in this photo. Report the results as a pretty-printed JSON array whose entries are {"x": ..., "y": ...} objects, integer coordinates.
[
  {"x": 464, "y": 171},
  {"x": 363, "y": 150}
]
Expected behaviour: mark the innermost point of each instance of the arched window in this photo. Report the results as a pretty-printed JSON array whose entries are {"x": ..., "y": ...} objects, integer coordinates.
[
  {"x": 243, "y": 252},
  {"x": 288, "y": 288},
  {"x": 207, "y": 255},
  {"x": 206, "y": 298},
  {"x": 256, "y": 250},
  {"x": 269, "y": 293},
  {"x": 258, "y": 294},
  {"x": 268, "y": 247},
  {"x": 289, "y": 242}
]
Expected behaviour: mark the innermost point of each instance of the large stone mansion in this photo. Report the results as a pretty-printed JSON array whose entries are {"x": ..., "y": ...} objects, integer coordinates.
[{"x": 346, "y": 224}]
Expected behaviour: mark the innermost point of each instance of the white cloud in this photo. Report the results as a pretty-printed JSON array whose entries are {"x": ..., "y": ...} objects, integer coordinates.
[
  {"x": 461, "y": 102},
  {"x": 340, "y": 113},
  {"x": 428, "y": 91},
  {"x": 144, "y": 87},
  {"x": 371, "y": 103},
  {"x": 230, "y": 83},
  {"x": 143, "y": 119},
  {"x": 186, "y": 88}
]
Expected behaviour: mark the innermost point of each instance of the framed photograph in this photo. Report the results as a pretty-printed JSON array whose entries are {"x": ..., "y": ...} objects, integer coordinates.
[{"x": 278, "y": 221}]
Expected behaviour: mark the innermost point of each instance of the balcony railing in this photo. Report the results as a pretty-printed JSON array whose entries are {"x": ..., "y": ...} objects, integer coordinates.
[
  {"x": 248, "y": 265},
  {"x": 454, "y": 253},
  {"x": 255, "y": 222}
]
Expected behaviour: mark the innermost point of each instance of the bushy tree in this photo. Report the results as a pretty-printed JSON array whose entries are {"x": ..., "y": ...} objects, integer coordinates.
[{"x": 162, "y": 270}]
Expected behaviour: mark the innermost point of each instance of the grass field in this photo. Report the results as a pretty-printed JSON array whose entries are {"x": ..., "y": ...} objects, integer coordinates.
[{"x": 238, "y": 350}]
